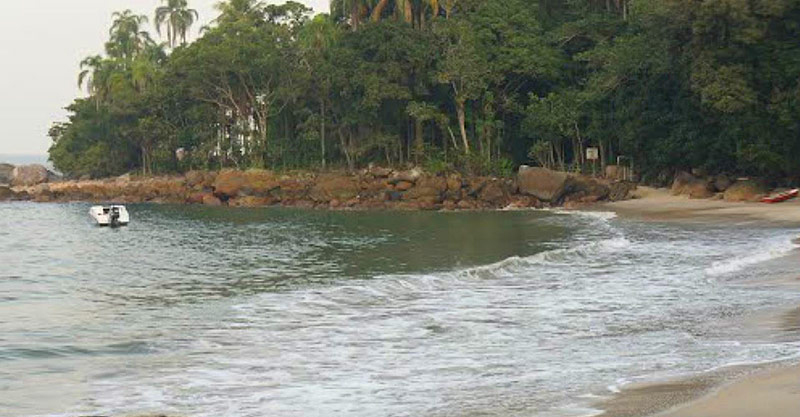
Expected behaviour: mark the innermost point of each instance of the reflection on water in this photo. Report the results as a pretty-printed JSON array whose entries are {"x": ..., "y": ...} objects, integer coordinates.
[{"x": 214, "y": 311}]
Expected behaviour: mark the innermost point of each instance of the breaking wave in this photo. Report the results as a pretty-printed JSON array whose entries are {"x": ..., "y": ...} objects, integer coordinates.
[{"x": 739, "y": 263}]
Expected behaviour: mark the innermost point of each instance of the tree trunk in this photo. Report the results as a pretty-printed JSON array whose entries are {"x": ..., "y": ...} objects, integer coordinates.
[
  {"x": 602, "y": 155},
  {"x": 144, "y": 161},
  {"x": 409, "y": 13},
  {"x": 462, "y": 122},
  {"x": 355, "y": 16},
  {"x": 262, "y": 148},
  {"x": 378, "y": 10},
  {"x": 322, "y": 131},
  {"x": 343, "y": 144},
  {"x": 419, "y": 142}
]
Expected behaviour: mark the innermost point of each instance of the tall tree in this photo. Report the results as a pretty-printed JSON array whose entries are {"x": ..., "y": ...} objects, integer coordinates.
[
  {"x": 126, "y": 35},
  {"x": 177, "y": 18}
]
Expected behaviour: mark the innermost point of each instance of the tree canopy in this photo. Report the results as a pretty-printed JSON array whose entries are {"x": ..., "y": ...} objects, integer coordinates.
[{"x": 474, "y": 85}]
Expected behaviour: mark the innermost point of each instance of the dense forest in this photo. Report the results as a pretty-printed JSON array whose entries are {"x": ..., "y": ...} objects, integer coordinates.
[{"x": 471, "y": 85}]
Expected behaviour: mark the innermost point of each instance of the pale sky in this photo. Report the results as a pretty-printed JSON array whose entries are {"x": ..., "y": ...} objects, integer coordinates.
[{"x": 41, "y": 45}]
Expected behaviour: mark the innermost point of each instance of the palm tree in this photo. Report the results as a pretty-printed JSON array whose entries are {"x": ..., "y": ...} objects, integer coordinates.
[
  {"x": 126, "y": 37},
  {"x": 315, "y": 40},
  {"x": 236, "y": 10},
  {"x": 96, "y": 75},
  {"x": 146, "y": 66},
  {"x": 177, "y": 18}
]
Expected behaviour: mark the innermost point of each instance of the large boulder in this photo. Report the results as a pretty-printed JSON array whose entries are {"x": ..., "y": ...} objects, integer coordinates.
[
  {"x": 542, "y": 183},
  {"x": 747, "y": 190},
  {"x": 621, "y": 190},
  {"x": 232, "y": 183},
  {"x": 334, "y": 187},
  {"x": 6, "y": 171},
  {"x": 722, "y": 182},
  {"x": 692, "y": 186},
  {"x": 586, "y": 189},
  {"x": 428, "y": 189},
  {"x": 411, "y": 175},
  {"x": 200, "y": 180},
  {"x": 681, "y": 181},
  {"x": 209, "y": 199},
  {"x": 495, "y": 193},
  {"x": 29, "y": 175}
]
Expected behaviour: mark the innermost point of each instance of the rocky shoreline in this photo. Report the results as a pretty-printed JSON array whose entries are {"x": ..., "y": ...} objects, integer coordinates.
[{"x": 373, "y": 189}]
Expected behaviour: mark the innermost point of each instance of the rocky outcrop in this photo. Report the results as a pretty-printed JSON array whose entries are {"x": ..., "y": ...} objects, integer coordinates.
[
  {"x": 28, "y": 175},
  {"x": 496, "y": 192},
  {"x": 374, "y": 188},
  {"x": 6, "y": 193},
  {"x": 231, "y": 183},
  {"x": 542, "y": 183},
  {"x": 746, "y": 190},
  {"x": 331, "y": 187},
  {"x": 6, "y": 172},
  {"x": 586, "y": 190}
]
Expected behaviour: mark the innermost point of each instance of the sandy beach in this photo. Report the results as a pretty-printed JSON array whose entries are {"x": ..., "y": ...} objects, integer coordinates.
[
  {"x": 658, "y": 204},
  {"x": 749, "y": 391}
]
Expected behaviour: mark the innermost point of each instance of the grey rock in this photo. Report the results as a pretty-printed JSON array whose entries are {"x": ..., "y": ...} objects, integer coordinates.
[{"x": 542, "y": 183}]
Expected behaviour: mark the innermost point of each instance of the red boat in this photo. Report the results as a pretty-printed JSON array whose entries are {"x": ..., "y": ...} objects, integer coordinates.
[{"x": 779, "y": 198}]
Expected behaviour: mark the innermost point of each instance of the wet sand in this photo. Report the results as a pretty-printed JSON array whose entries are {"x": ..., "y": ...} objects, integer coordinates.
[
  {"x": 758, "y": 391},
  {"x": 745, "y": 391},
  {"x": 774, "y": 393}
]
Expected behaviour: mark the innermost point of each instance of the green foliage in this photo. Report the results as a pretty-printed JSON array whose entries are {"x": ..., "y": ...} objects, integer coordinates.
[{"x": 476, "y": 86}]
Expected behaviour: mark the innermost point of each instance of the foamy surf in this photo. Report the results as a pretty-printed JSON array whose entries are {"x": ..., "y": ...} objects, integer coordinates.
[
  {"x": 739, "y": 263},
  {"x": 600, "y": 215}
]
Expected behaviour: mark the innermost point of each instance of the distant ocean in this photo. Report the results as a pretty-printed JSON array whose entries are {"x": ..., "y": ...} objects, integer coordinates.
[{"x": 22, "y": 159}]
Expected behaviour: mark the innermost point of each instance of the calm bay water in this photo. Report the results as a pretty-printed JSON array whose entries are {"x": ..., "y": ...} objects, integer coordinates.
[{"x": 223, "y": 312}]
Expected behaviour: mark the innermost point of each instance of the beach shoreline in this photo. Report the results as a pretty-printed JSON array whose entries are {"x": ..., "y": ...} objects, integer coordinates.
[
  {"x": 767, "y": 389},
  {"x": 657, "y": 204}
]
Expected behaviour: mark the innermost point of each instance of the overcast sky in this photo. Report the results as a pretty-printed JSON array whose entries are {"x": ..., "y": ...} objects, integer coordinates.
[{"x": 41, "y": 45}]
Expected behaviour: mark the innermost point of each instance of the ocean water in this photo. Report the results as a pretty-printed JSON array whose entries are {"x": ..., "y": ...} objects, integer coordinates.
[
  {"x": 22, "y": 159},
  {"x": 270, "y": 312}
]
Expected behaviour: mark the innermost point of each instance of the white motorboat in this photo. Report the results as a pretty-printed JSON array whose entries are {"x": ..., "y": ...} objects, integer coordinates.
[{"x": 112, "y": 216}]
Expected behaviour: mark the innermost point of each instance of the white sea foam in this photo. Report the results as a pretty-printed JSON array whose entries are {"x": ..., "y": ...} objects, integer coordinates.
[
  {"x": 739, "y": 263},
  {"x": 600, "y": 215}
]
